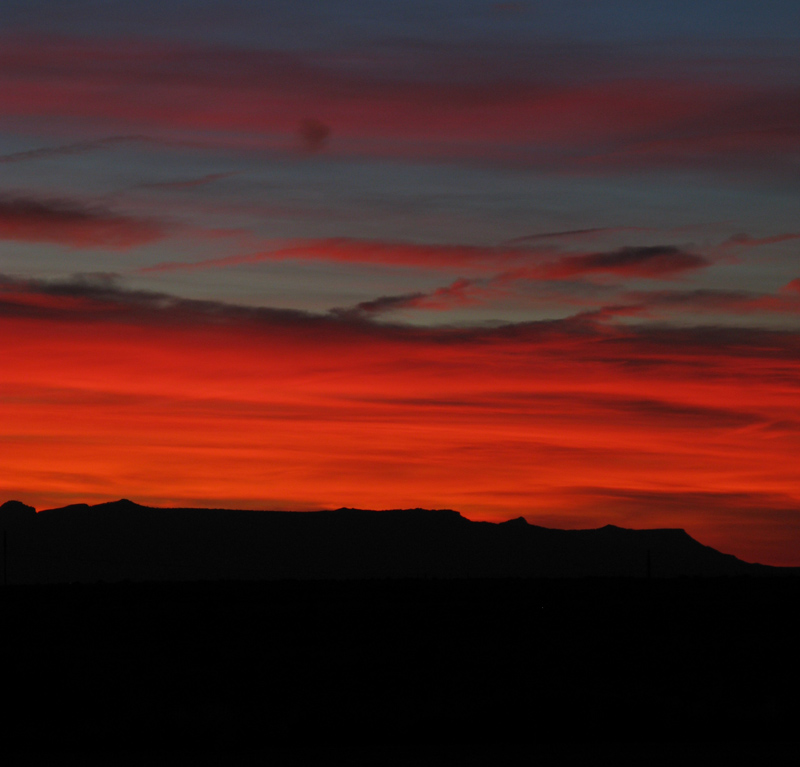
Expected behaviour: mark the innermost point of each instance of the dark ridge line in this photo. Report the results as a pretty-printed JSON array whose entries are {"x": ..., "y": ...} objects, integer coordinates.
[{"x": 126, "y": 541}]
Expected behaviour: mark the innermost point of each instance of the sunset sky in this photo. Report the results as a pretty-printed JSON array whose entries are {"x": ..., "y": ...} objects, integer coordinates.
[{"x": 511, "y": 258}]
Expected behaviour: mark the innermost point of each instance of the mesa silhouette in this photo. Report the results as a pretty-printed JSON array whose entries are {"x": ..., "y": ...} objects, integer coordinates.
[{"x": 122, "y": 540}]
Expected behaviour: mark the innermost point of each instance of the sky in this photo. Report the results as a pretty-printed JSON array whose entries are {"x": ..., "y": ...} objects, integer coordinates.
[{"x": 512, "y": 258}]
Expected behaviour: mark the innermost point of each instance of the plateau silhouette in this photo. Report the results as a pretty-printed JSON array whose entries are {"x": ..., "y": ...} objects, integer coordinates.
[
  {"x": 124, "y": 541},
  {"x": 401, "y": 632}
]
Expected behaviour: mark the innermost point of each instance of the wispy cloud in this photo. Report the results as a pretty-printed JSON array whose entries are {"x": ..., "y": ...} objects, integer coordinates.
[
  {"x": 73, "y": 224},
  {"x": 101, "y": 297},
  {"x": 734, "y": 303},
  {"x": 745, "y": 240},
  {"x": 792, "y": 287},
  {"x": 355, "y": 251},
  {"x": 651, "y": 262},
  {"x": 577, "y": 234},
  {"x": 458, "y": 294},
  {"x": 66, "y": 150},
  {"x": 591, "y": 117},
  {"x": 190, "y": 183},
  {"x": 217, "y": 400}
]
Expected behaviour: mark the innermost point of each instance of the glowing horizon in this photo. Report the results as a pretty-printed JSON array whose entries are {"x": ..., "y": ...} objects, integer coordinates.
[{"x": 523, "y": 265}]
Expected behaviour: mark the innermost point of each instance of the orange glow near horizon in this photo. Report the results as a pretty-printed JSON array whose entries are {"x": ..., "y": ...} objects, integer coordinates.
[{"x": 568, "y": 426}]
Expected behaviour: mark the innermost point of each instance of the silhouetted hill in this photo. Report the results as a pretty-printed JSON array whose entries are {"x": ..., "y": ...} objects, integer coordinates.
[{"x": 125, "y": 541}]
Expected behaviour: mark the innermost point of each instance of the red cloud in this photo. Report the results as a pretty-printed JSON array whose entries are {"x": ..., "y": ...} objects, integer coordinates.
[
  {"x": 792, "y": 287},
  {"x": 67, "y": 223},
  {"x": 460, "y": 293},
  {"x": 656, "y": 262},
  {"x": 114, "y": 392},
  {"x": 785, "y": 301},
  {"x": 746, "y": 240},
  {"x": 597, "y": 118},
  {"x": 348, "y": 250},
  {"x": 517, "y": 263}
]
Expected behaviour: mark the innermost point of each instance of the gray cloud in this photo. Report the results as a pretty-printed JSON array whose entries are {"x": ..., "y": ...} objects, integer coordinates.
[
  {"x": 80, "y": 147},
  {"x": 72, "y": 223}
]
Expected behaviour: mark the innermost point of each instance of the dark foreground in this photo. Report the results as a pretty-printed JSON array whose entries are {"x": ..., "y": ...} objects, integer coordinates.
[{"x": 398, "y": 664}]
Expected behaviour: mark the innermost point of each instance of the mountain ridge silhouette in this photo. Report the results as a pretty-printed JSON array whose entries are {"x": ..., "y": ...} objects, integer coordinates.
[{"x": 126, "y": 541}]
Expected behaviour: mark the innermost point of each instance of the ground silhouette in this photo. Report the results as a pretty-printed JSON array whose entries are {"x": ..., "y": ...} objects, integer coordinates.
[
  {"x": 400, "y": 666},
  {"x": 296, "y": 634},
  {"x": 121, "y": 541}
]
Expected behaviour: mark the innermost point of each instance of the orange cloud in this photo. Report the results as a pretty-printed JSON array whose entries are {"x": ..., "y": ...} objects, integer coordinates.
[{"x": 115, "y": 393}]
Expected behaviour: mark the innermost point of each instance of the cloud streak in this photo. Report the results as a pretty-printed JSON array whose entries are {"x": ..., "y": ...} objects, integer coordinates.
[
  {"x": 191, "y": 183},
  {"x": 653, "y": 262},
  {"x": 592, "y": 119},
  {"x": 346, "y": 250},
  {"x": 649, "y": 381},
  {"x": 460, "y": 293},
  {"x": 227, "y": 403},
  {"x": 69, "y": 223},
  {"x": 67, "y": 150},
  {"x": 734, "y": 303}
]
